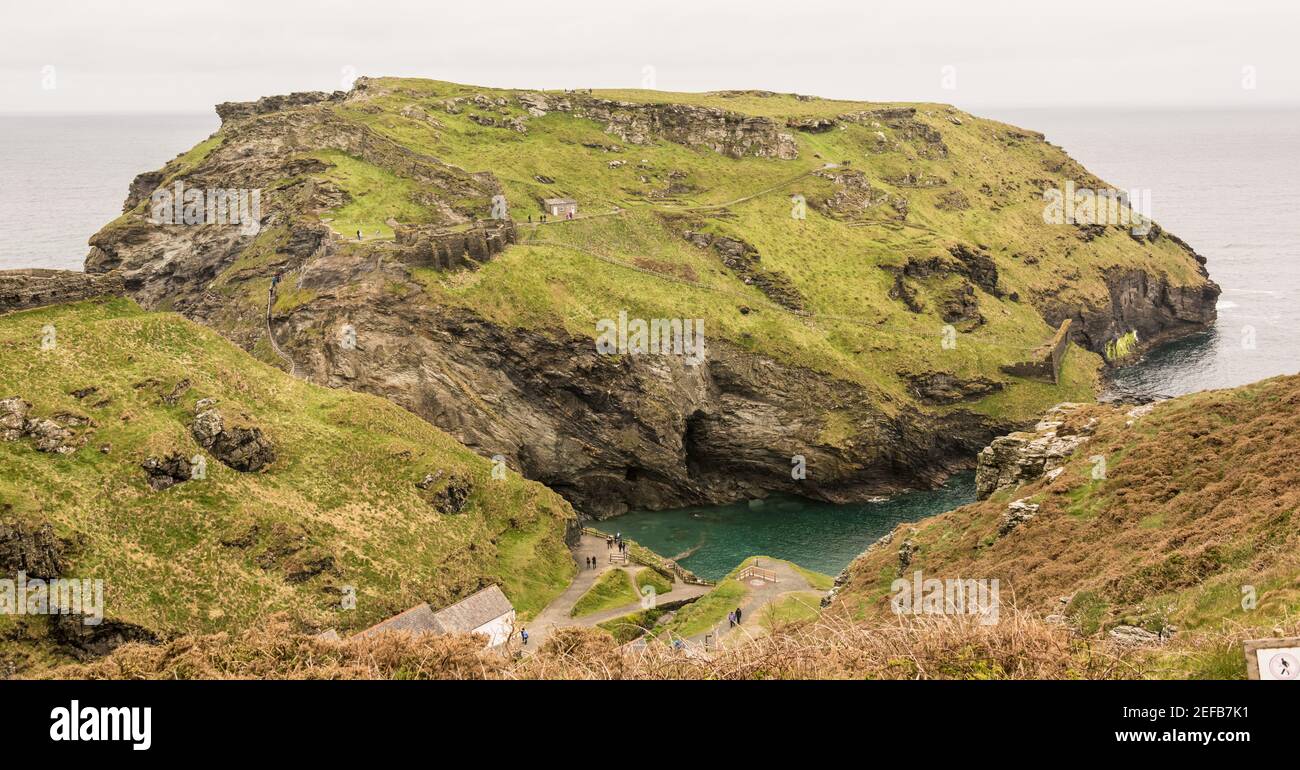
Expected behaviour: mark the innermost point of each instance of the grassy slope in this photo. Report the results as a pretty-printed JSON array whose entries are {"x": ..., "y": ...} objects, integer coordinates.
[
  {"x": 613, "y": 589},
  {"x": 1199, "y": 501},
  {"x": 343, "y": 482},
  {"x": 556, "y": 278},
  {"x": 835, "y": 266}
]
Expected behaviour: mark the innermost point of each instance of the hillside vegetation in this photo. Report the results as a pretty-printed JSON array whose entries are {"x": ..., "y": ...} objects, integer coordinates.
[
  {"x": 1190, "y": 529},
  {"x": 336, "y": 513}
]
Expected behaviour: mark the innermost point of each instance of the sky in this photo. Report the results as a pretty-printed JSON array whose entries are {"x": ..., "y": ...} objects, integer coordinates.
[{"x": 123, "y": 55}]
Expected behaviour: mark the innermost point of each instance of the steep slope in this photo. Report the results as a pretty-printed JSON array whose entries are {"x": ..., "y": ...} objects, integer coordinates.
[
  {"x": 1179, "y": 516},
  {"x": 209, "y": 491},
  {"x": 864, "y": 273}
]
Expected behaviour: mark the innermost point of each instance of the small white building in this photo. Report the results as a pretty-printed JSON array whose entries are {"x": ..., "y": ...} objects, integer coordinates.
[
  {"x": 486, "y": 612},
  {"x": 560, "y": 207}
]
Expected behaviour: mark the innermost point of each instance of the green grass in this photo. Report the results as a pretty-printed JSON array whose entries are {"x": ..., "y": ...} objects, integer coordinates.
[
  {"x": 836, "y": 267},
  {"x": 633, "y": 626},
  {"x": 613, "y": 589},
  {"x": 817, "y": 580},
  {"x": 648, "y": 577},
  {"x": 342, "y": 486}
]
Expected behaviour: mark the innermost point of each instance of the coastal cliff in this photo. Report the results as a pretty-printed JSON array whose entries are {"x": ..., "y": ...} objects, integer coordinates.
[{"x": 842, "y": 257}]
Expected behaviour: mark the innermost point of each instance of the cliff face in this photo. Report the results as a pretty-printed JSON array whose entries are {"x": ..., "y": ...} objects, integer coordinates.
[
  {"x": 829, "y": 299},
  {"x": 23, "y": 289}
]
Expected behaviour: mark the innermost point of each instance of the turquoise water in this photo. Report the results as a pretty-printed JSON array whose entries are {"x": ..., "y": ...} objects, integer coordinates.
[{"x": 820, "y": 536}]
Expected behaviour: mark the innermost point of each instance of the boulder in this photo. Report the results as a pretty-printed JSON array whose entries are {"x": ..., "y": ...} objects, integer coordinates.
[
  {"x": 243, "y": 448},
  {"x": 35, "y": 550},
  {"x": 166, "y": 472},
  {"x": 51, "y": 437},
  {"x": 1017, "y": 513},
  {"x": 1133, "y": 636},
  {"x": 13, "y": 418}
]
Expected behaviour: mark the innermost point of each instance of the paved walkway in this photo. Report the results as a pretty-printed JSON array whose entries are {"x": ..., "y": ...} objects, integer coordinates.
[
  {"x": 761, "y": 594},
  {"x": 556, "y": 614}
]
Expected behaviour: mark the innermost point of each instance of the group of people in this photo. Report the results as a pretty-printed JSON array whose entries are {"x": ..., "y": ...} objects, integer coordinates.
[
  {"x": 733, "y": 617},
  {"x": 591, "y": 562},
  {"x": 616, "y": 540}
]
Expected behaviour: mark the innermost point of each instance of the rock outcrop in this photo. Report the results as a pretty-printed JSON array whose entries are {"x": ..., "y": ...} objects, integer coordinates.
[
  {"x": 727, "y": 133},
  {"x": 242, "y": 447},
  {"x": 1018, "y": 512},
  {"x": 25, "y": 289},
  {"x": 1028, "y": 455},
  {"x": 55, "y": 435},
  {"x": 166, "y": 472},
  {"x": 34, "y": 550}
]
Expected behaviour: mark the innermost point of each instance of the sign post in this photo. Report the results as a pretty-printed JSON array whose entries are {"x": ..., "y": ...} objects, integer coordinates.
[{"x": 1277, "y": 659}]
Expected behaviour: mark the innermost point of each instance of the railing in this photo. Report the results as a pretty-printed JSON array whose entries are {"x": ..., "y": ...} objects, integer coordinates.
[
  {"x": 755, "y": 571},
  {"x": 661, "y": 564}
]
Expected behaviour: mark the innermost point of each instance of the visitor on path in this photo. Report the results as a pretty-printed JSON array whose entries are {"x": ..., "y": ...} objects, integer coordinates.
[
  {"x": 731, "y": 620},
  {"x": 523, "y": 634},
  {"x": 737, "y": 615},
  {"x": 609, "y": 543},
  {"x": 358, "y": 235}
]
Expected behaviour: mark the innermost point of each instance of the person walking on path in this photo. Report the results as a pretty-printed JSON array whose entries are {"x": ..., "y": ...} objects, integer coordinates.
[
  {"x": 523, "y": 635},
  {"x": 609, "y": 543},
  {"x": 731, "y": 620},
  {"x": 737, "y": 616}
]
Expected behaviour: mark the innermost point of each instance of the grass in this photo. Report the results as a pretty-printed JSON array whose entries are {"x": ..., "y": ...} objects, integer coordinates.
[
  {"x": 1192, "y": 526},
  {"x": 612, "y": 590},
  {"x": 216, "y": 554},
  {"x": 647, "y": 577},
  {"x": 857, "y": 332},
  {"x": 1021, "y": 646},
  {"x": 791, "y": 608}
]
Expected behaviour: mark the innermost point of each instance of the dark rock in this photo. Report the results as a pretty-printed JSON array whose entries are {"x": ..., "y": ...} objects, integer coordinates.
[
  {"x": 243, "y": 448},
  {"x": 947, "y": 388},
  {"x": 164, "y": 473},
  {"x": 452, "y": 496},
  {"x": 979, "y": 267},
  {"x": 29, "y": 288},
  {"x": 86, "y": 642},
  {"x": 36, "y": 551},
  {"x": 742, "y": 258},
  {"x": 960, "y": 304}
]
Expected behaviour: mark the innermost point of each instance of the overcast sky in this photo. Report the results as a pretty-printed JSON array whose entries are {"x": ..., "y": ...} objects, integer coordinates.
[{"x": 62, "y": 56}]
